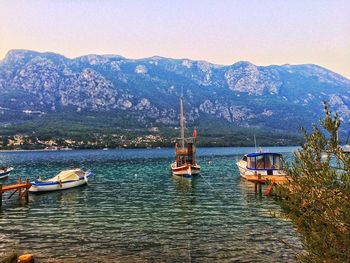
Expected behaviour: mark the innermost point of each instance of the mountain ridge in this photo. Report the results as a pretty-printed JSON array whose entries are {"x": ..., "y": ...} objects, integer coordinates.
[
  {"x": 166, "y": 58},
  {"x": 35, "y": 86}
]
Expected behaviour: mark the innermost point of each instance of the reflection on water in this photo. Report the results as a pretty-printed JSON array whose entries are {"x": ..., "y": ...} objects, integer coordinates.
[
  {"x": 134, "y": 210},
  {"x": 184, "y": 184}
]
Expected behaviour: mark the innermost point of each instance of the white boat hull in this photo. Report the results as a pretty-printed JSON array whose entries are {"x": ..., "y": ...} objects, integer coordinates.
[
  {"x": 4, "y": 176},
  {"x": 248, "y": 174},
  {"x": 186, "y": 170},
  {"x": 5, "y": 173},
  {"x": 57, "y": 186}
]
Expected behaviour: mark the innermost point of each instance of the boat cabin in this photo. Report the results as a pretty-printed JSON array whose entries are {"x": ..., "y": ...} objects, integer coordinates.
[
  {"x": 263, "y": 161},
  {"x": 186, "y": 155}
]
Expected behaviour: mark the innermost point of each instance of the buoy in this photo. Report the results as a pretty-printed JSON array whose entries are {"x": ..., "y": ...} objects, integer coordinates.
[{"x": 27, "y": 258}]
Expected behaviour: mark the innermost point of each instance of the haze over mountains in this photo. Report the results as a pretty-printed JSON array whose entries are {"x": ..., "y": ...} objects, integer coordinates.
[{"x": 144, "y": 93}]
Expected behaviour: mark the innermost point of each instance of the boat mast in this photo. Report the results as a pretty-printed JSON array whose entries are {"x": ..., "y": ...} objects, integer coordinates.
[
  {"x": 256, "y": 150},
  {"x": 182, "y": 122}
]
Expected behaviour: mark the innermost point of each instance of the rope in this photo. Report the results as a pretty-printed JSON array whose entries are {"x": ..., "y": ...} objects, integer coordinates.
[{"x": 218, "y": 193}]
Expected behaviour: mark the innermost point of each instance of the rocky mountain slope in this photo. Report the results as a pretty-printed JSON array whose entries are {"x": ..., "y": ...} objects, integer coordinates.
[{"x": 144, "y": 93}]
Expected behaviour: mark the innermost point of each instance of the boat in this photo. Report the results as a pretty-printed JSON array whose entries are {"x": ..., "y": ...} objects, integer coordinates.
[
  {"x": 4, "y": 172},
  {"x": 346, "y": 148},
  {"x": 64, "y": 180},
  {"x": 264, "y": 166},
  {"x": 185, "y": 160}
]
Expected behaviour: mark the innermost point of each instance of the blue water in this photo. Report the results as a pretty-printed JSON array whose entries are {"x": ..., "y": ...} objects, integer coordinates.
[{"x": 133, "y": 210}]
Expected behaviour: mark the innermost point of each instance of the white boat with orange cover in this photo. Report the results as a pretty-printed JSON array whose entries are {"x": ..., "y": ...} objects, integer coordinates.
[{"x": 64, "y": 180}]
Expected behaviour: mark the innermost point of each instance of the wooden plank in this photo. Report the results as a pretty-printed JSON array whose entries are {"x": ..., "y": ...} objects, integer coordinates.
[
  {"x": 13, "y": 187},
  {"x": 12, "y": 194},
  {"x": 277, "y": 180},
  {"x": 257, "y": 180}
]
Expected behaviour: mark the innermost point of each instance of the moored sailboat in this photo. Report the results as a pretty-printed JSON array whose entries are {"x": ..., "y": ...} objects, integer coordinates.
[{"x": 185, "y": 161}]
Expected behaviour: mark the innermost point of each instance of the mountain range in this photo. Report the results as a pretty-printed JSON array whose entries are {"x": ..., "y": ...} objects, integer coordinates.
[{"x": 49, "y": 95}]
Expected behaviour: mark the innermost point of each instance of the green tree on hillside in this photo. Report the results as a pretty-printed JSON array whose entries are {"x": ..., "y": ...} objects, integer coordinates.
[{"x": 317, "y": 198}]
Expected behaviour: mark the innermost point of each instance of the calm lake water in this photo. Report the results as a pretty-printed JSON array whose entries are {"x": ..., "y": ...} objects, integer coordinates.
[{"x": 134, "y": 210}]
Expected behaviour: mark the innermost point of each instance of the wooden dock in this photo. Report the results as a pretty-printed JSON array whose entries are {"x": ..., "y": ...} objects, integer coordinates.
[
  {"x": 263, "y": 179},
  {"x": 20, "y": 187},
  {"x": 258, "y": 180}
]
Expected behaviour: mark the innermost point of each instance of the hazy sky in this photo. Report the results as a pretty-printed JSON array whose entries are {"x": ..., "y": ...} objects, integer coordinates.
[{"x": 263, "y": 32}]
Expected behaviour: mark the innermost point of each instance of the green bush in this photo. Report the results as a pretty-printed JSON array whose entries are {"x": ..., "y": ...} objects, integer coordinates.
[{"x": 317, "y": 198}]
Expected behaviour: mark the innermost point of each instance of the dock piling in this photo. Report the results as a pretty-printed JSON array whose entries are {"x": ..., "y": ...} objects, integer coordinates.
[
  {"x": 259, "y": 183},
  {"x": 0, "y": 195},
  {"x": 19, "y": 189},
  {"x": 27, "y": 191}
]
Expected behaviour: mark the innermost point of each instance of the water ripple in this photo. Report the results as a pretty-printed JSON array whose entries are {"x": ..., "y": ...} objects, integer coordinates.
[{"x": 134, "y": 210}]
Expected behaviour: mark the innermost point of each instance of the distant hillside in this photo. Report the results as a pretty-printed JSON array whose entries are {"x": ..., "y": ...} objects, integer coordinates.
[{"x": 46, "y": 94}]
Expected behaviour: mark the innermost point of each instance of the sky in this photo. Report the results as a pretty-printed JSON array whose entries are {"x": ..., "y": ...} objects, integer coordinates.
[{"x": 263, "y": 32}]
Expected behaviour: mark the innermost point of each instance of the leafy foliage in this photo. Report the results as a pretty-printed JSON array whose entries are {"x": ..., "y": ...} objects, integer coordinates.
[{"x": 317, "y": 197}]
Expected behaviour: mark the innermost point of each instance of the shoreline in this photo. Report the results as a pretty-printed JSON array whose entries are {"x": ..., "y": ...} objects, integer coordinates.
[{"x": 129, "y": 148}]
